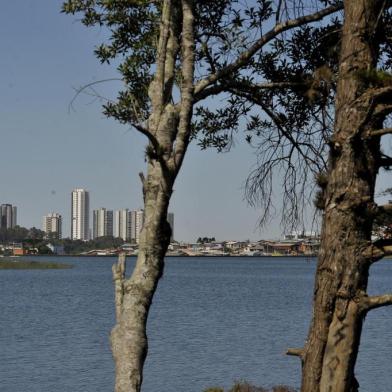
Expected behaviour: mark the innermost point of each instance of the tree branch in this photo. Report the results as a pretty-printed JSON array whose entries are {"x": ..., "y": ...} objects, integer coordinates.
[
  {"x": 244, "y": 57},
  {"x": 223, "y": 86},
  {"x": 380, "y": 132},
  {"x": 153, "y": 140},
  {"x": 157, "y": 86},
  {"x": 187, "y": 86},
  {"x": 253, "y": 94},
  {"x": 296, "y": 352},
  {"x": 378, "y": 250},
  {"x": 369, "y": 303}
]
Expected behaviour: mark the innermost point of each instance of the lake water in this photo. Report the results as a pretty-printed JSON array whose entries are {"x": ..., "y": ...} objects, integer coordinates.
[{"x": 213, "y": 321}]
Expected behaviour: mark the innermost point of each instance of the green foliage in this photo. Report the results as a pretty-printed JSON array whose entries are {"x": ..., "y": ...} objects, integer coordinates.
[
  {"x": 78, "y": 246},
  {"x": 21, "y": 234}
]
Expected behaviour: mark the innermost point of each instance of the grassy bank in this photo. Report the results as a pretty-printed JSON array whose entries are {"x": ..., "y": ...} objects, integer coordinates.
[{"x": 23, "y": 265}]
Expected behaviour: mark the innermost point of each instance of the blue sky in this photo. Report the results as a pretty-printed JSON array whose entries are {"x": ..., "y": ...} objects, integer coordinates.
[{"x": 46, "y": 150}]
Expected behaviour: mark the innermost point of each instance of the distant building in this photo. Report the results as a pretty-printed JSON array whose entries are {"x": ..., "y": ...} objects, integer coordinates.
[
  {"x": 8, "y": 215},
  {"x": 122, "y": 224},
  {"x": 80, "y": 207},
  {"x": 170, "y": 219},
  {"x": 52, "y": 225},
  {"x": 102, "y": 223},
  {"x": 137, "y": 222}
]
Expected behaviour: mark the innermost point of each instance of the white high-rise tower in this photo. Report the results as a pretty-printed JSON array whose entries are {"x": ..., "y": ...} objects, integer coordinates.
[
  {"x": 80, "y": 209},
  {"x": 122, "y": 224},
  {"x": 102, "y": 223}
]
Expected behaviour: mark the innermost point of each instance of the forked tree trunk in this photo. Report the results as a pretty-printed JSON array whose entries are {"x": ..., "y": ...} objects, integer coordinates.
[
  {"x": 341, "y": 280},
  {"x": 168, "y": 130}
]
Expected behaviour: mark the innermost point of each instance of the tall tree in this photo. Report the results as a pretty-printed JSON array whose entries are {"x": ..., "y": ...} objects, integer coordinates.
[
  {"x": 295, "y": 136},
  {"x": 163, "y": 45},
  {"x": 363, "y": 102}
]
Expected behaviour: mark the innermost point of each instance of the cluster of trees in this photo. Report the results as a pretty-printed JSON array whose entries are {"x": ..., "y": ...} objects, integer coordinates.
[
  {"x": 79, "y": 246},
  {"x": 21, "y": 234},
  {"x": 36, "y": 238},
  {"x": 309, "y": 82}
]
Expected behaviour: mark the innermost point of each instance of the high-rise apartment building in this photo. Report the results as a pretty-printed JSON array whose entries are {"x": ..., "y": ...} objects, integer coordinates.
[
  {"x": 102, "y": 223},
  {"x": 122, "y": 224},
  {"x": 137, "y": 221},
  {"x": 8, "y": 214},
  {"x": 80, "y": 207},
  {"x": 52, "y": 225}
]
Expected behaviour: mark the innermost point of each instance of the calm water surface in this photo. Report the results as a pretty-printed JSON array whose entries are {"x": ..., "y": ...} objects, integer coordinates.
[{"x": 213, "y": 321}]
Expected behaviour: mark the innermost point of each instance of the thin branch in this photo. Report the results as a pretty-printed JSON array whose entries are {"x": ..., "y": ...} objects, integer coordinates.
[
  {"x": 244, "y": 57},
  {"x": 85, "y": 87},
  {"x": 296, "y": 352},
  {"x": 253, "y": 96}
]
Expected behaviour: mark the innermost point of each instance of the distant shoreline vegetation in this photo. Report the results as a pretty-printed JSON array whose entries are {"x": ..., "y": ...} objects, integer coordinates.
[{"x": 10, "y": 264}]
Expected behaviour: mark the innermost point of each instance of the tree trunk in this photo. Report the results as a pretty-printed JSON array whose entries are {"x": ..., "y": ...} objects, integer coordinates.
[
  {"x": 169, "y": 131},
  {"x": 134, "y": 295},
  {"x": 341, "y": 280}
]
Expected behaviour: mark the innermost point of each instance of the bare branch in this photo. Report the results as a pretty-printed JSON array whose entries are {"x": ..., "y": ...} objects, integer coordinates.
[
  {"x": 244, "y": 57},
  {"x": 296, "y": 352},
  {"x": 83, "y": 88},
  {"x": 369, "y": 303},
  {"x": 254, "y": 96}
]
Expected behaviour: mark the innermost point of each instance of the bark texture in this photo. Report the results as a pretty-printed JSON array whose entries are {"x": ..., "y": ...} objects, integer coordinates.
[{"x": 342, "y": 274}]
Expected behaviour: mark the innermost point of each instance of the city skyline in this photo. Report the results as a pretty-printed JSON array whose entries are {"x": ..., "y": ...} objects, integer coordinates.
[{"x": 61, "y": 145}]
